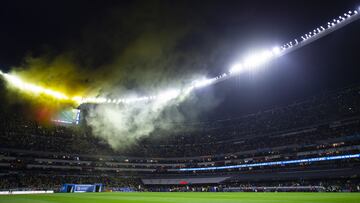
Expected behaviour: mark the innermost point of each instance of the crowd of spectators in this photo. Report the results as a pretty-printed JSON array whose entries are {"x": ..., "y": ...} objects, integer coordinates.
[
  {"x": 114, "y": 183},
  {"x": 325, "y": 125},
  {"x": 54, "y": 182},
  {"x": 259, "y": 130},
  {"x": 336, "y": 185},
  {"x": 205, "y": 138}
]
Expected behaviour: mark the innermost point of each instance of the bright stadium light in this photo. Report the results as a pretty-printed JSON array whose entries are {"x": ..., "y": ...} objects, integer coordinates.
[
  {"x": 31, "y": 88},
  {"x": 236, "y": 68},
  {"x": 100, "y": 100},
  {"x": 249, "y": 63},
  {"x": 168, "y": 95},
  {"x": 276, "y": 51},
  {"x": 77, "y": 99},
  {"x": 255, "y": 60},
  {"x": 202, "y": 83}
]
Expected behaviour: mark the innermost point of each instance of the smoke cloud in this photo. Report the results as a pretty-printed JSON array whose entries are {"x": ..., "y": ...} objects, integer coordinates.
[
  {"x": 122, "y": 126},
  {"x": 126, "y": 51}
]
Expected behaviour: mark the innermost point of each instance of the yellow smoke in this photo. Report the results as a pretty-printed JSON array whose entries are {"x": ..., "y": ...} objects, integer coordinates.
[{"x": 37, "y": 90}]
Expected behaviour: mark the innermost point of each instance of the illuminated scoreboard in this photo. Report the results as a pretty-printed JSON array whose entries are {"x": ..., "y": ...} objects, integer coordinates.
[{"x": 68, "y": 116}]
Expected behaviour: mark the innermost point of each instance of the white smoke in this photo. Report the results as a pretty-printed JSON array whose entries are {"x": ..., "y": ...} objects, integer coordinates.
[{"x": 123, "y": 125}]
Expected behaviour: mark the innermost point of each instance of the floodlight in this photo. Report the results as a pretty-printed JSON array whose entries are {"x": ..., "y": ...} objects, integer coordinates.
[
  {"x": 202, "y": 83},
  {"x": 276, "y": 51},
  {"x": 168, "y": 95},
  {"x": 236, "y": 68}
]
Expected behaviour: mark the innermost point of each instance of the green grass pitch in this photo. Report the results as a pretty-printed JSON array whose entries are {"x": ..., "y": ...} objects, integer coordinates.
[{"x": 156, "y": 197}]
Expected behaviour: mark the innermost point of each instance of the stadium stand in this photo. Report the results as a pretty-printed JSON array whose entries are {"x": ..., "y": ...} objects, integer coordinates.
[{"x": 33, "y": 156}]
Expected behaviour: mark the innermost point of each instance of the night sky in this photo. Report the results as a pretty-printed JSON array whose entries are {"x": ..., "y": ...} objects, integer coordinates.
[{"x": 205, "y": 36}]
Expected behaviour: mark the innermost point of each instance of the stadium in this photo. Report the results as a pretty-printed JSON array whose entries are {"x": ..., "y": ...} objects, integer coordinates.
[{"x": 179, "y": 101}]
